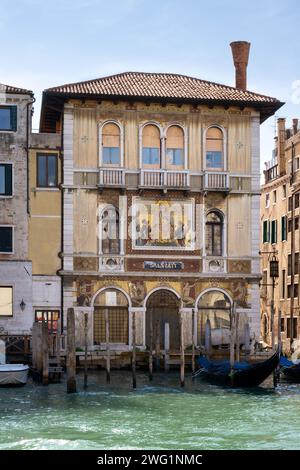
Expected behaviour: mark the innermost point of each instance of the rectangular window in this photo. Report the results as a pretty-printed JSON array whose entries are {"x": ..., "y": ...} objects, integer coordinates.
[
  {"x": 274, "y": 231},
  {"x": 282, "y": 326},
  {"x": 284, "y": 191},
  {"x": 151, "y": 155},
  {"x": 6, "y": 239},
  {"x": 283, "y": 281},
  {"x": 47, "y": 171},
  {"x": 290, "y": 291},
  {"x": 6, "y": 176},
  {"x": 296, "y": 200},
  {"x": 296, "y": 264},
  {"x": 175, "y": 156},
  {"x": 274, "y": 197},
  {"x": 50, "y": 317},
  {"x": 213, "y": 159},
  {"x": 266, "y": 231},
  {"x": 6, "y": 301},
  {"x": 8, "y": 118},
  {"x": 111, "y": 156},
  {"x": 290, "y": 203},
  {"x": 296, "y": 164},
  {"x": 284, "y": 228},
  {"x": 267, "y": 200},
  {"x": 288, "y": 328}
]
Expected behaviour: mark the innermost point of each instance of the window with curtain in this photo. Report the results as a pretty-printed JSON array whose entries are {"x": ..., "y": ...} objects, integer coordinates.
[
  {"x": 214, "y": 148},
  {"x": 110, "y": 238},
  {"x": 151, "y": 146},
  {"x": 175, "y": 146},
  {"x": 111, "y": 143},
  {"x": 47, "y": 170},
  {"x": 214, "y": 234}
]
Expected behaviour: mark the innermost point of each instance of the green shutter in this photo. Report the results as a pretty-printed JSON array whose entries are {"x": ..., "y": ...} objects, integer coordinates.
[
  {"x": 274, "y": 231},
  {"x": 284, "y": 228},
  {"x": 266, "y": 231},
  {"x": 13, "y": 118}
]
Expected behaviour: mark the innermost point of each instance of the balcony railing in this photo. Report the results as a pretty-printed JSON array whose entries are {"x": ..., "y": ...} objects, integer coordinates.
[
  {"x": 164, "y": 179},
  {"x": 111, "y": 177},
  {"x": 216, "y": 181}
]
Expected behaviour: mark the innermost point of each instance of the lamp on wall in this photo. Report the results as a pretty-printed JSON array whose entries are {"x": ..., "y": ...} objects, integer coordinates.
[{"x": 22, "y": 305}]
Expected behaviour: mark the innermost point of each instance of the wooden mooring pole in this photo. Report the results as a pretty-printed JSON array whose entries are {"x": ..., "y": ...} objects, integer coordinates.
[
  {"x": 71, "y": 352},
  {"x": 181, "y": 350},
  {"x": 232, "y": 340},
  {"x": 86, "y": 317},
  {"x": 237, "y": 337},
  {"x": 45, "y": 354},
  {"x": 151, "y": 348},
  {"x": 193, "y": 341},
  {"x": 107, "y": 339},
  {"x": 167, "y": 347},
  {"x": 276, "y": 373},
  {"x": 157, "y": 346},
  {"x": 133, "y": 351}
]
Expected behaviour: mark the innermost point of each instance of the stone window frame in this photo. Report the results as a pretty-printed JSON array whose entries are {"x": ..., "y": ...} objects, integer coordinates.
[
  {"x": 13, "y": 240},
  {"x": 4, "y": 196},
  {"x": 12, "y": 297}
]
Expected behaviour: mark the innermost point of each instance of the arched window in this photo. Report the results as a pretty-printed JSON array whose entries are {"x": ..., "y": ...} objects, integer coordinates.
[
  {"x": 214, "y": 234},
  {"x": 111, "y": 154},
  {"x": 110, "y": 231},
  {"x": 214, "y": 306},
  {"x": 151, "y": 146},
  {"x": 214, "y": 148},
  {"x": 175, "y": 146},
  {"x": 115, "y": 304}
]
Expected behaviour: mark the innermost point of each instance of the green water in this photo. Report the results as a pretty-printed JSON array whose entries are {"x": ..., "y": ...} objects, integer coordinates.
[{"x": 158, "y": 415}]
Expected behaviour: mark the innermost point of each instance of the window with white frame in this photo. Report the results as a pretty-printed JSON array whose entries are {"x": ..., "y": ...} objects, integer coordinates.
[
  {"x": 111, "y": 144},
  {"x": 8, "y": 118},
  {"x": 214, "y": 233},
  {"x": 110, "y": 231},
  {"x": 214, "y": 147},
  {"x": 6, "y": 179},
  {"x": 175, "y": 147},
  {"x": 151, "y": 146}
]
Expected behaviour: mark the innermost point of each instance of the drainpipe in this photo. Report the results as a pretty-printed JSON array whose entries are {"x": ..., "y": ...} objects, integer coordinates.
[{"x": 30, "y": 103}]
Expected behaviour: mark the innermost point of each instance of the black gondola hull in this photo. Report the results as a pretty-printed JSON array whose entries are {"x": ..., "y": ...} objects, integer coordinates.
[
  {"x": 291, "y": 373},
  {"x": 250, "y": 377}
]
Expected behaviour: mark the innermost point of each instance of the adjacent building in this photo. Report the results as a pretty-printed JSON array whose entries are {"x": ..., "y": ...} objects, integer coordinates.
[
  {"x": 15, "y": 265},
  {"x": 280, "y": 234}
]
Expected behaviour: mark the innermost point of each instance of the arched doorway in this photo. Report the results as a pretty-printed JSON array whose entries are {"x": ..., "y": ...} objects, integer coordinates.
[
  {"x": 214, "y": 307},
  {"x": 163, "y": 307},
  {"x": 116, "y": 304}
]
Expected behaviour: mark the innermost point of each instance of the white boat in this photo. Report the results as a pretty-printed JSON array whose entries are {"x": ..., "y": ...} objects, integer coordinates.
[{"x": 13, "y": 374}]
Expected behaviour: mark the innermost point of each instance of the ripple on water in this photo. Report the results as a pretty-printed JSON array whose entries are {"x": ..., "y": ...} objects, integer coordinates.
[{"x": 158, "y": 415}]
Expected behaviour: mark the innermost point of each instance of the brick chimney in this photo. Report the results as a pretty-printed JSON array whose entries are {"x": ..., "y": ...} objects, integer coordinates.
[
  {"x": 281, "y": 146},
  {"x": 240, "y": 53},
  {"x": 295, "y": 126}
]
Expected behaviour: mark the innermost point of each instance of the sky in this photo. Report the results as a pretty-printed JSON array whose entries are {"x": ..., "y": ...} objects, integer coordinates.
[{"x": 48, "y": 43}]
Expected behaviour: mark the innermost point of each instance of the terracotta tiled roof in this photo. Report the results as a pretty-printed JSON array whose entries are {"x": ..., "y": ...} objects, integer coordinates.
[
  {"x": 14, "y": 90},
  {"x": 160, "y": 86}
]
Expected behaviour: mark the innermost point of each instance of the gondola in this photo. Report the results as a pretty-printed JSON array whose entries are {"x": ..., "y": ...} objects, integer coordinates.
[
  {"x": 290, "y": 369},
  {"x": 242, "y": 374}
]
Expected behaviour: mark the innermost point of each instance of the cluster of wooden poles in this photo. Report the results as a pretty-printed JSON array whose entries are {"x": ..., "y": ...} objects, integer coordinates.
[{"x": 71, "y": 350}]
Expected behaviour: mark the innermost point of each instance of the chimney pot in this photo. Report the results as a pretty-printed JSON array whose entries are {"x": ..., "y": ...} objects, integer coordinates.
[
  {"x": 295, "y": 126},
  {"x": 240, "y": 52}
]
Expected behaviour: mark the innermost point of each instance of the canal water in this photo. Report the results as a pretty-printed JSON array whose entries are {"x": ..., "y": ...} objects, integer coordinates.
[{"x": 158, "y": 415}]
